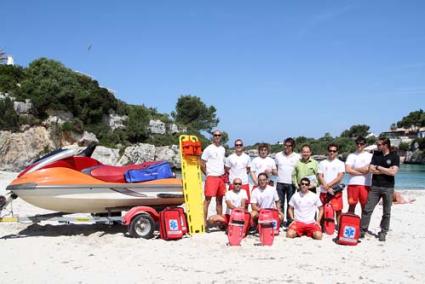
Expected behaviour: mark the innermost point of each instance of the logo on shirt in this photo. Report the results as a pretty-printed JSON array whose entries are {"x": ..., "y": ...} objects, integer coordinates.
[{"x": 388, "y": 162}]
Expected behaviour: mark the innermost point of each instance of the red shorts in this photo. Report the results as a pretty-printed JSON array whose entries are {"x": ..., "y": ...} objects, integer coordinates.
[
  {"x": 335, "y": 201},
  {"x": 214, "y": 187},
  {"x": 227, "y": 218},
  {"x": 244, "y": 187},
  {"x": 356, "y": 193},
  {"x": 304, "y": 229}
]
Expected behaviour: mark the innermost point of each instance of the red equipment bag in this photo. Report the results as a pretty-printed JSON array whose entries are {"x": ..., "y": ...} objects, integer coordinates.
[
  {"x": 328, "y": 219},
  {"x": 235, "y": 229},
  {"x": 170, "y": 223},
  {"x": 349, "y": 229},
  {"x": 183, "y": 219},
  {"x": 265, "y": 227}
]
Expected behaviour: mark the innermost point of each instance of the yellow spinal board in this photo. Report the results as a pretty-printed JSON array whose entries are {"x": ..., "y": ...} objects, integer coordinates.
[{"x": 190, "y": 151}]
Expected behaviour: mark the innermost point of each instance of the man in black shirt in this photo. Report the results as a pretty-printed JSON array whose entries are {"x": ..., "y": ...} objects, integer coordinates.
[{"x": 384, "y": 167}]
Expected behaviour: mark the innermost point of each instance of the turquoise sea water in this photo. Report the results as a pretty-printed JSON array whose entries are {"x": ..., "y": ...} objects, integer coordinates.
[{"x": 408, "y": 177}]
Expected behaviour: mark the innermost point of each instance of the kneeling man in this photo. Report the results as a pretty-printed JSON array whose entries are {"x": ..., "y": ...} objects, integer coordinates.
[
  {"x": 235, "y": 198},
  {"x": 302, "y": 206},
  {"x": 264, "y": 196}
]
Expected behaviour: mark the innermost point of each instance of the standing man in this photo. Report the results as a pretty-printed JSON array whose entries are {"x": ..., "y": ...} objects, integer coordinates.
[
  {"x": 357, "y": 165},
  {"x": 263, "y": 163},
  {"x": 306, "y": 167},
  {"x": 331, "y": 172},
  {"x": 212, "y": 165},
  {"x": 285, "y": 162},
  {"x": 238, "y": 165},
  {"x": 384, "y": 166},
  {"x": 263, "y": 197},
  {"x": 302, "y": 207}
]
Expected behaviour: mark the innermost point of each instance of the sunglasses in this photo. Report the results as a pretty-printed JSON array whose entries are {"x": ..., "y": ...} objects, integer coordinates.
[
  {"x": 217, "y": 135},
  {"x": 332, "y": 151},
  {"x": 238, "y": 145},
  {"x": 237, "y": 183},
  {"x": 305, "y": 184}
]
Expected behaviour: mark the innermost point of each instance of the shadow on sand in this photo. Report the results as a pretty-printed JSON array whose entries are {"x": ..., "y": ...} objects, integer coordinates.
[{"x": 48, "y": 230}]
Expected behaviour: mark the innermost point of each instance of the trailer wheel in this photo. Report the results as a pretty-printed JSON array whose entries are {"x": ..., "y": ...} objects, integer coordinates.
[{"x": 142, "y": 226}]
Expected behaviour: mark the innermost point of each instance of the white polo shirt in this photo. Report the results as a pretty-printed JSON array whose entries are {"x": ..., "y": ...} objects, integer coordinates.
[
  {"x": 235, "y": 198},
  {"x": 285, "y": 166},
  {"x": 214, "y": 157},
  {"x": 238, "y": 165},
  {"x": 260, "y": 165},
  {"x": 359, "y": 160},
  {"x": 305, "y": 206},
  {"x": 265, "y": 198},
  {"x": 330, "y": 170}
]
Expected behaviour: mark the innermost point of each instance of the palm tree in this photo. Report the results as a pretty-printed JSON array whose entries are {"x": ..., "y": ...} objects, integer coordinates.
[{"x": 3, "y": 57}]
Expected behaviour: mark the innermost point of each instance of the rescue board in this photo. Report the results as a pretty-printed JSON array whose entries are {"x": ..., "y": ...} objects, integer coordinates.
[{"x": 190, "y": 152}]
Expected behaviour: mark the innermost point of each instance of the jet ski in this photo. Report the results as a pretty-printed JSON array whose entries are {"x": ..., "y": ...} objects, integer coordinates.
[{"x": 70, "y": 181}]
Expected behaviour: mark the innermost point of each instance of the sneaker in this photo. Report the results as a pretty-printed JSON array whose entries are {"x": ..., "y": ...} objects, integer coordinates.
[{"x": 381, "y": 236}]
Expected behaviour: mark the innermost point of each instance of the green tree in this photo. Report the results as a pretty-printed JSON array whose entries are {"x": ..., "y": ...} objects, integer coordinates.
[
  {"x": 8, "y": 118},
  {"x": 420, "y": 143},
  {"x": 356, "y": 131},
  {"x": 414, "y": 118},
  {"x": 138, "y": 120},
  {"x": 404, "y": 146},
  {"x": 10, "y": 77},
  {"x": 3, "y": 57},
  {"x": 193, "y": 113}
]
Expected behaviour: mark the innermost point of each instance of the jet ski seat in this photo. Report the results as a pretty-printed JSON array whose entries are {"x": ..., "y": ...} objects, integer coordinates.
[{"x": 114, "y": 173}]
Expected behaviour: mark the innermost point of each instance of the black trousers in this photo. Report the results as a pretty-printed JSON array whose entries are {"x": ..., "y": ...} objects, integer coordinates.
[
  {"x": 285, "y": 190},
  {"x": 375, "y": 194}
]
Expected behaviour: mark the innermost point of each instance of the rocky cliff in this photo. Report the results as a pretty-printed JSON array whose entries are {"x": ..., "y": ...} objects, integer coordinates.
[
  {"x": 17, "y": 150},
  {"x": 415, "y": 157}
]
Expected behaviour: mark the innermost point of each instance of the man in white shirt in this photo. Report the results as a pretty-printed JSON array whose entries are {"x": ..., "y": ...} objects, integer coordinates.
[
  {"x": 357, "y": 165},
  {"x": 302, "y": 209},
  {"x": 263, "y": 163},
  {"x": 212, "y": 165},
  {"x": 330, "y": 173},
  {"x": 263, "y": 197},
  {"x": 285, "y": 162},
  {"x": 238, "y": 165},
  {"x": 235, "y": 198}
]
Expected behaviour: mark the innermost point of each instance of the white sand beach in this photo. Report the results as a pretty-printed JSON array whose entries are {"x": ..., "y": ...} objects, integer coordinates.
[{"x": 55, "y": 253}]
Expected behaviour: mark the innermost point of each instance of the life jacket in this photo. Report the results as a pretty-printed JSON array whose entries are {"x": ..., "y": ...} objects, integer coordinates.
[
  {"x": 328, "y": 219},
  {"x": 265, "y": 227},
  {"x": 236, "y": 227}
]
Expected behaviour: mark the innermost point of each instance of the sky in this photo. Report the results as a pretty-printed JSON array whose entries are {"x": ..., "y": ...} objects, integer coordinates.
[{"x": 273, "y": 69}]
